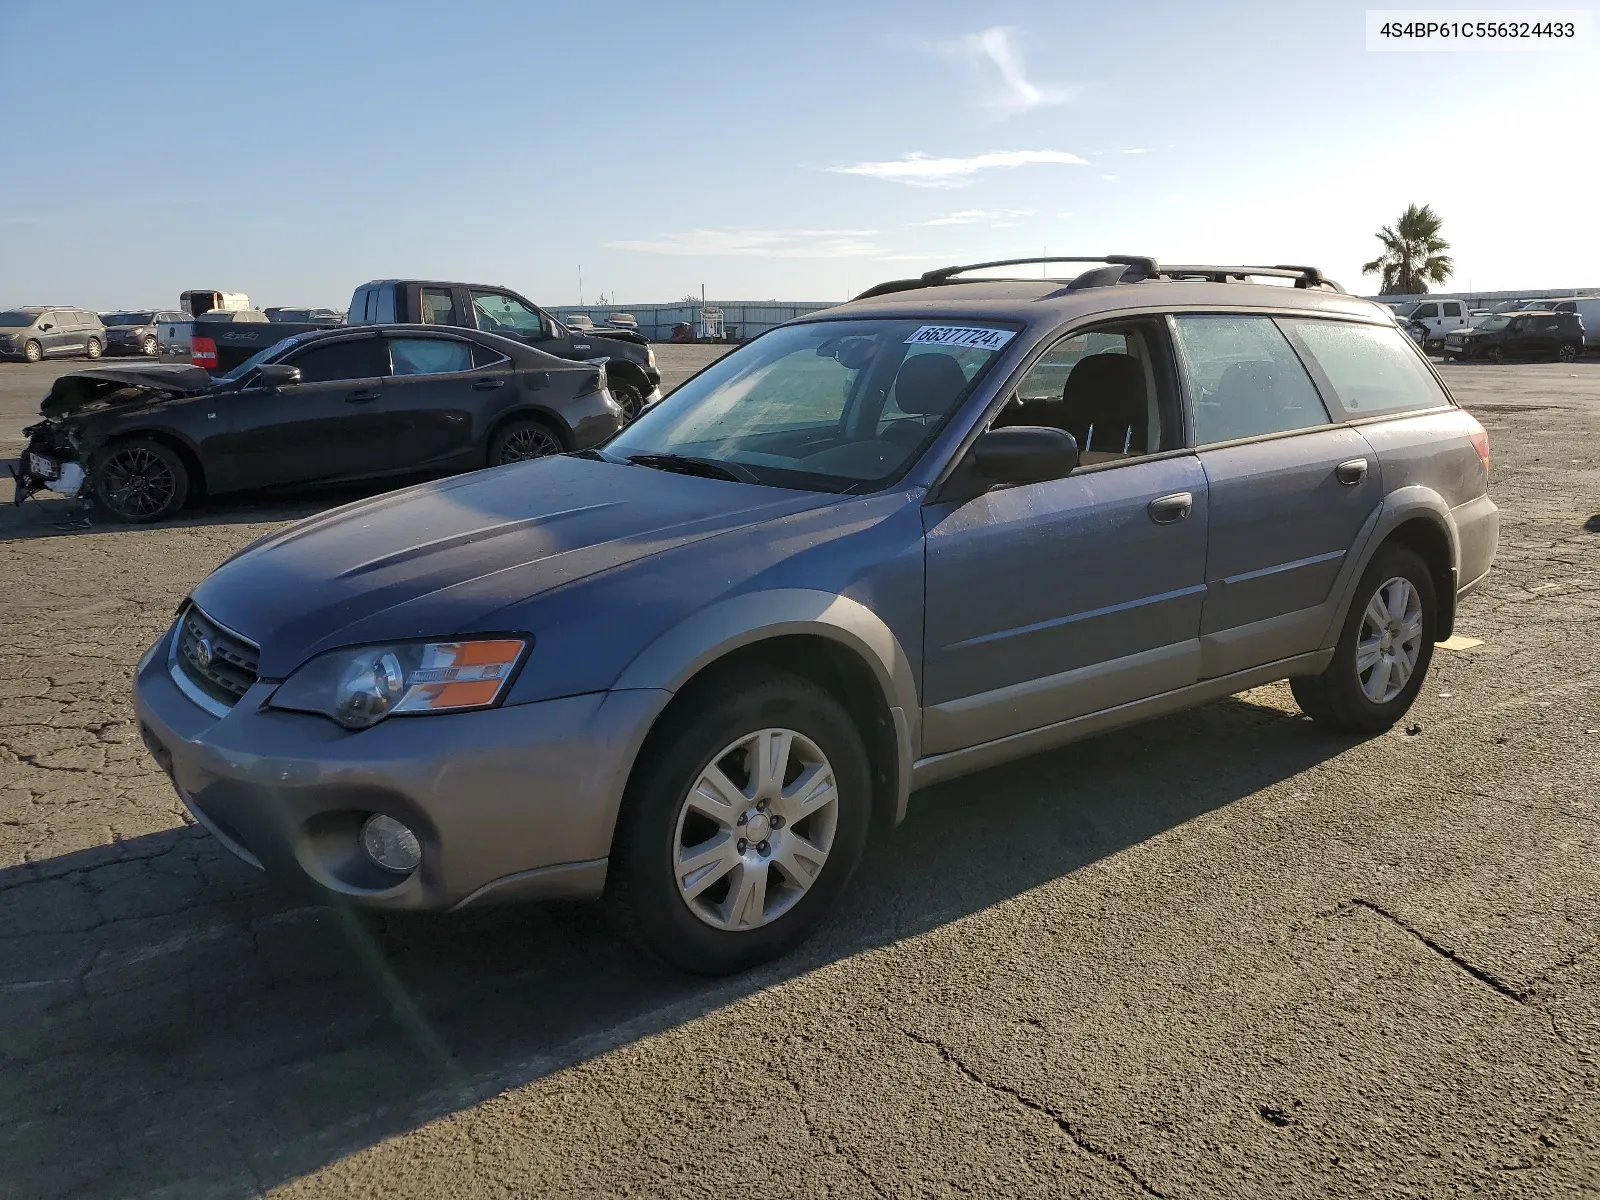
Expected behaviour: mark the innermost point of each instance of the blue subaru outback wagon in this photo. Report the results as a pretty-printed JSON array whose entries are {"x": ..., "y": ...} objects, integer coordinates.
[{"x": 957, "y": 520}]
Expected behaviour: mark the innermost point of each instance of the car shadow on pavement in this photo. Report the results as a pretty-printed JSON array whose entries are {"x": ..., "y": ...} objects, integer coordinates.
[{"x": 170, "y": 1019}]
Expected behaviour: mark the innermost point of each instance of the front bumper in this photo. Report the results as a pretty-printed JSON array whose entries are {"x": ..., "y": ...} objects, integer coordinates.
[{"x": 508, "y": 803}]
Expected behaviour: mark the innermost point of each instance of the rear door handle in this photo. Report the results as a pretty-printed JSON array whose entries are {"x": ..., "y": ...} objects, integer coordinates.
[
  {"x": 361, "y": 395},
  {"x": 1168, "y": 510},
  {"x": 488, "y": 384},
  {"x": 1351, "y": 471}
]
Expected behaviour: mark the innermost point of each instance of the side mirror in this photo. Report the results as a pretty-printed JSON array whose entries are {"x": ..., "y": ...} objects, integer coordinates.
[
  {"x": 277, "y": 375},
  {"x": 46, "y": 327},
  {"x": 1024, "y": 454}
]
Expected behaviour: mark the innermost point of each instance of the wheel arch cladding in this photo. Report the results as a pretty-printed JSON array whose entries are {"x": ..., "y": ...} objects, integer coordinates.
[
  {"x": 832, "y": 640},
  {"x": 1429, "y": 538}
]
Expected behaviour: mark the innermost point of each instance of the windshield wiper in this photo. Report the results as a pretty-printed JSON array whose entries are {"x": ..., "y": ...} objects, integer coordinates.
[{"x": 686, "y": 464}]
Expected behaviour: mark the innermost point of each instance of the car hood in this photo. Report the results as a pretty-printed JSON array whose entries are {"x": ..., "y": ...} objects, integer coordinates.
[
  {"x": 84, "y": 392},
  {"x": 428, "y": 561}
]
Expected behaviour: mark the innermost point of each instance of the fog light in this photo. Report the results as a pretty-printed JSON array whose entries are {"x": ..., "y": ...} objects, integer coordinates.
[{"x": 390, "y": 844}]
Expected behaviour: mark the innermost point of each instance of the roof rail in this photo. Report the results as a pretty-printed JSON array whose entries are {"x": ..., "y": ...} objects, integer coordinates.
[
  {"x": 1304, "y": 277},
  {"x": 1132, "y": 268},
  {"x": 1117, "y": 268}
]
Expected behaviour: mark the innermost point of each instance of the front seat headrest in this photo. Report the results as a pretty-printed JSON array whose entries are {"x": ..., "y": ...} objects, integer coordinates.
[{"x": 928, "y": 384}]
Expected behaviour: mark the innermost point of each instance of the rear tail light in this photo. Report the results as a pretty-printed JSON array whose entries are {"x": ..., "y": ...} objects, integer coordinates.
[
  {"x": 203, "y": 352},
  {"x": 1479, "y": 438},
  {"x": 598, "y": 383}
]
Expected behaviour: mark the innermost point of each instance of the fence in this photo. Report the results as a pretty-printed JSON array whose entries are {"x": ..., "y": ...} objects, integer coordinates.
[{"x": 741, "y": 319}]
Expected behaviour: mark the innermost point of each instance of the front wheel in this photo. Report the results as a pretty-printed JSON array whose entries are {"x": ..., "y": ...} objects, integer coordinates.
[
  {"x": 1383, "y": 651},
  {"x": 150, "y": 347},
  {"x": 1567, "y": 353},
  {"x": 742, "y": 824},
  {"x": 32, "y": 351},
  {"x": 140, "y": 481},
  {"x": 94, "y": 348},
  {"x": 1496, "y": 355}
]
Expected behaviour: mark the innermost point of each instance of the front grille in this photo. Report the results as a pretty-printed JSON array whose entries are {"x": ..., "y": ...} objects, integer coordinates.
[{"x": 217, "y": 662}]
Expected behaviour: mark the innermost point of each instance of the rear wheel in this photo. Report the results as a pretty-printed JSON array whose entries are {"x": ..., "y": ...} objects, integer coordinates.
[
  {"x": 94, "y": 348},
  {"x": 521, "y": 440},
  {"x": 1567, "y": 353},
  {"x": 629, "y": 398},
  {"x": 1383, "y": 652},
  {"x": 140, "y": 480},
  {"x": 742, "y": 824},
  {"x": 32, "y": 351}
]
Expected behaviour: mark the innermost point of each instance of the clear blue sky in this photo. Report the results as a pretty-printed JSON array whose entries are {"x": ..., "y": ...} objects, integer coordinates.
[{"x": 293, "y": 150}]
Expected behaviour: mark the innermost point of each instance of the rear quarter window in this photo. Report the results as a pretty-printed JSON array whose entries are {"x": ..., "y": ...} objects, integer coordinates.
[{"x": 1374, "y": 369}]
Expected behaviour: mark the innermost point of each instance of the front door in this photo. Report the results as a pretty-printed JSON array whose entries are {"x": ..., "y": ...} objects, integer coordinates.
[
  {"x": 328, "y": 426},
  {"x": 502, "y": 313},
  {"x": 56, "y": 332},
  {"x": 1051, "y": 600},
  {"x": 1290, "y": 491}
]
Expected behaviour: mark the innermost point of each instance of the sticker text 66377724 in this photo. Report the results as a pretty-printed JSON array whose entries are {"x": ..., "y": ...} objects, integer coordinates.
[{"x": 966, "y": 336}]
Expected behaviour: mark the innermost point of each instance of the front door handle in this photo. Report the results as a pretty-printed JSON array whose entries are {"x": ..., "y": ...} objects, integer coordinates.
[
  {"x": 487, "y": 384},
  {"x": 1351, "y": 471},
  {"x": 361, "y": 395},
  {"x": 1168, "y": 510}
]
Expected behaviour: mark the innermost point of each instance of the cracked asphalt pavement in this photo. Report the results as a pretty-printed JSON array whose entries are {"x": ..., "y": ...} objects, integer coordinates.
[{"x": 1219, "y": 955}]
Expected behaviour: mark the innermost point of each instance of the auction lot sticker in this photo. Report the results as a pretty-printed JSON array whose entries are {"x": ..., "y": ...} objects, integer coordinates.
[{"x": 960, "y": 335}]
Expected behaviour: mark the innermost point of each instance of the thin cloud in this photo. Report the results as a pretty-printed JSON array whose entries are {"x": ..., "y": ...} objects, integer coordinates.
[
  {"x": 995, "y": 54},
  {"x": 924, "y": 170},
  {"x": 980, "y": 216},
  {"x": 760, "y": 243},
  {"x": 1108, "y": 178},
  {"x": 1135, "y": 150}
]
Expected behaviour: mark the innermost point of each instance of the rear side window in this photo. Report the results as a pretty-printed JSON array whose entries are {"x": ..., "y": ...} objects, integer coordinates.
[
  {"x": 331, "y": 362},
  {"x": 438, "y": 307},
  {"x": 1452, "y": 309},
  {"x": 429, "y": 356},
  {"x": 360, "y": 306},
  {"x": 1373, "y": 368},
  {"x": 1245, "y": 379}
]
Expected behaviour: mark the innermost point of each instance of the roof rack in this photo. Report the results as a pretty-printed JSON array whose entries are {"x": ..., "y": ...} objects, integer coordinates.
[{"x": 1116, "y": 268}]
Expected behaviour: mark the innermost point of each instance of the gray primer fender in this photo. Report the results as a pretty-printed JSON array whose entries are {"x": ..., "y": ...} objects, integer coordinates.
[
  {"x": 682, "y": 651},
  {"x": 1398, "y": 507}
]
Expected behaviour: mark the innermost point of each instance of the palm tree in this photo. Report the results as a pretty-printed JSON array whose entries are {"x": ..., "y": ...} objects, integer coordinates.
[{"x": 1413, "y": 254}]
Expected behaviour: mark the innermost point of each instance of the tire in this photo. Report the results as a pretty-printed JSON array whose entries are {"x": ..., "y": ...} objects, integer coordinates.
[
  {"x": 629, "y": 398},
  {"x": 1567, "y": 353},
  {"x": 150, "y": 347},
  {"x": 518, "y": 441},
  {"x": 139, "y": 481},
  {"x": 754, "y": 900},
  {"x": 32, "y": 351},
  {"x": 1352, "y": 699},
  {"x": 93, "y": 349},
  {"x": 1496, "y": 355}
]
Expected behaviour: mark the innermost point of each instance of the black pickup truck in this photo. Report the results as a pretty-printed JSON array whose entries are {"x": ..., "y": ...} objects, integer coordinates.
[{"x": 630, "y": 363}]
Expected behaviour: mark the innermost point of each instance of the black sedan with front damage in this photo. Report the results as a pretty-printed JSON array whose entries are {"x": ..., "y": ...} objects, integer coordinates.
[{"x": 325, "y": 407}]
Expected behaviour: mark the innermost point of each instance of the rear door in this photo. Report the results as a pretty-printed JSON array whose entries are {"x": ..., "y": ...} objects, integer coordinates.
[
  {"x": 438, "y": 398},
  {"x": 1289, "y": 490},
  {"x": 324, "y": 427},
  {"x": 1452, "y": 316}
]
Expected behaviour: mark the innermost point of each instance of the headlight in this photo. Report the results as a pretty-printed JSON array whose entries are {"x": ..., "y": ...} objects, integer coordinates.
[
  {"x": 361, "y": 685},
  {"x": 650, "y": 355}
]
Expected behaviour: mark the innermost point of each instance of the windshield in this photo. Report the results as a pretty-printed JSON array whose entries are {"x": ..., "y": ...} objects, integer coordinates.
[
  {"x": 1490, "y": 324},
  {"x": 17, "y": 320},
  {"x": 132, "y": 318},
  {"x": 831, "y": 406},
  {"x": 256, "y": 359}
]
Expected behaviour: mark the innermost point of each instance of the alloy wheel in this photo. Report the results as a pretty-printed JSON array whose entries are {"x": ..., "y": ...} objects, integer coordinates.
[
  {"x": 93, "y": 348},
  {"x": 1391, "y": 640},
  {"x": 529, "y": 442},
  {"x": 149, "y": 346},
  {"x": 32, "y": 352},
  {"x": 1568, "y": 353},
  {"x": 628, "y": 400},
  {"x": 755, "y": 830},
  {"x": 136, "y": 482}
]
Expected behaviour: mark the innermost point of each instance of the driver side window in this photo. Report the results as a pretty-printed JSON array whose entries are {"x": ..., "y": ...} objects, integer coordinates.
[{"x": 1109, "y": 387}]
